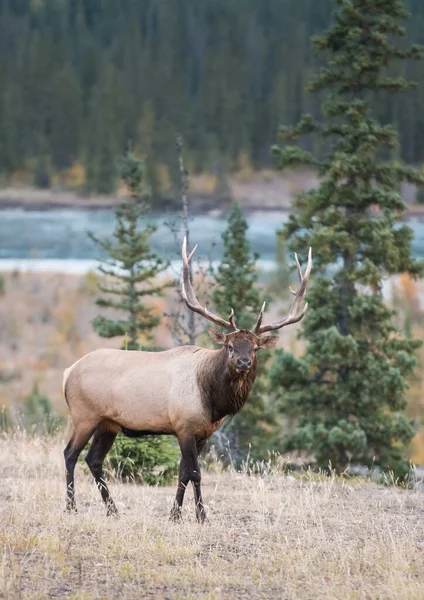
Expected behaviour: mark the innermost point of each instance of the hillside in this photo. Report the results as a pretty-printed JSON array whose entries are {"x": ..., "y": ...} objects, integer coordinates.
[{"x": 79, "y": 80}]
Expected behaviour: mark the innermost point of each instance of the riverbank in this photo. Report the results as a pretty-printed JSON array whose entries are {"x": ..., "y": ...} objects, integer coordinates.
[
  {"x": 261, "y": 191},
  {"x": 265, "y": 190}
]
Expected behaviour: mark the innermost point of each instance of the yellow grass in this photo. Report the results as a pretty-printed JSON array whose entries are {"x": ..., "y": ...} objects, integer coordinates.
[{"x": 270, "y": 537}]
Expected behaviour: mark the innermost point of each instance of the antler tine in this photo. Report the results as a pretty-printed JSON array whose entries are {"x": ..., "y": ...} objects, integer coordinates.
[
  {"x": 299, "y": 269},
  {"x": 259, "y": 320},
  {"x": 231, "y": 319},
  {"x": 309, "y": 265},
  {"x": 187, "y": 259},
  {"x": 189, "y": 296},
  {"x": 299, "y": 295}
]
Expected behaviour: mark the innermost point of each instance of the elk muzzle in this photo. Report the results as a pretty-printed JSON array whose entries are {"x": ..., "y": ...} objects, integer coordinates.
[{"x": 244, "y": 364}]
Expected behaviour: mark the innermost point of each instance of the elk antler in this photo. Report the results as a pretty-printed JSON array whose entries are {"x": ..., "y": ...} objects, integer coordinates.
[
  {"x": 190, "y": 299},
  {"x": 292, "y": 317}
]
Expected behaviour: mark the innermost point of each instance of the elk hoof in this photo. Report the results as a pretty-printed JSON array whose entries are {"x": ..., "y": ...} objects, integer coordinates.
[
  {"x": 112, "y": 511},
  {"x": 175, "y": 515},
  {"x": 201, "y": 517}
]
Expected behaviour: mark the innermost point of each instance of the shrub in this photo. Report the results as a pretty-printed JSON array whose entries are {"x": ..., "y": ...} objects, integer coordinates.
[
  {"x": 152, "y": 460},
  {"x": 39, "y": 415}
]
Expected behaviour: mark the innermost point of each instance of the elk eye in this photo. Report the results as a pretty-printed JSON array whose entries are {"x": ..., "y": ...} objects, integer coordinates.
[{"x": 230, "y": 347}]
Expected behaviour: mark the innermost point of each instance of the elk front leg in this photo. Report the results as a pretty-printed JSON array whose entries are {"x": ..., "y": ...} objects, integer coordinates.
[
  {"x": 200, "y": 509},
  {"x": 189, "y": 471}
]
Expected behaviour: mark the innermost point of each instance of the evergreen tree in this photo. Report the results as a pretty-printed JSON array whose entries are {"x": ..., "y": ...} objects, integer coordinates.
[
  {"x": 132, "y": 270},
  {"x": 131, "y": 267},
  {"x": 105, "y": 136},
  {"x": 236, "y": 279},
  {"x": 73, "y": 83},
  {"x": 65, "y": 118},
  {"x": 236, "y": 288},
  {"x": 345, "y": 396}
]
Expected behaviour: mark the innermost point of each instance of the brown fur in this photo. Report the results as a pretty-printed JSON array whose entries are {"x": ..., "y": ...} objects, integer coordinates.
[{"x": 224, "y": 391}]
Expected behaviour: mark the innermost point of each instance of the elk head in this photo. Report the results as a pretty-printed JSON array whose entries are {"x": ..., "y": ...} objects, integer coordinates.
[{"x": 241, "y": 345}]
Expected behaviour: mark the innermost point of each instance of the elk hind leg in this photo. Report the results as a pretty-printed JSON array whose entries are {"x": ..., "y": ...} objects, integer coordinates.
[
  {"x": 100, "y": 446},
  {"x": 78, "y": 440}
]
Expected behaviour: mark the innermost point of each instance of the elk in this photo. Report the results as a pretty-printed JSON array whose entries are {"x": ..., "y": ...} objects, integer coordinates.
[{"x": 186, "y": 392}]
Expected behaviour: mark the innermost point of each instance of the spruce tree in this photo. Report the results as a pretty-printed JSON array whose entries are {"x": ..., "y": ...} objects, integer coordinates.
[
  {"x": 132, "y": 270},
  {"x": 236, "y": 279},
  {"x": 132, "y": 267},
  {"x": 236, "y": 288},
  {"x": 346, "y": 395}
]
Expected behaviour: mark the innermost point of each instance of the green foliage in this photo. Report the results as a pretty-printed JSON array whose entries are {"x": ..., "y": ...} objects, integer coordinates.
[
  {"x": 153, "y": 461},
  {"x": 5, "y": 419},
  {"x": 345, "y": 397},
  {"x": 66, "y": 109},
  {"x": 2, "y": 286},
  {"x": 280, "y": 279},
  {"x": 236, "y": 288},
  {"x": 131, "y": 268},
  {"x": 39, "y": 415},
  {"x": 236, "y": 279},
  {"x": 78, "y": 79}
]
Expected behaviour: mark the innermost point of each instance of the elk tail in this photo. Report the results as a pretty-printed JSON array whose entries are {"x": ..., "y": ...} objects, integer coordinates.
[{"x": 65, "y": 379}]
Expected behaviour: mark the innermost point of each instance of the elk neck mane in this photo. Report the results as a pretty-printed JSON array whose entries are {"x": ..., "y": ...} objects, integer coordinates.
[{"x": 223, "y": 393}]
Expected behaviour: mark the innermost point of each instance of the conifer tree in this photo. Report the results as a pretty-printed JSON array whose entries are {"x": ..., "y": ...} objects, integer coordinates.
[
  {"x": 132, "y": 270},
  {"x": 345, "y": 396},
  {"x": 236, "y": 288},
  {"x": 236, "y": 279},
  {"x": 131, "y": 267},
  {"x": 72, "y": 70}
]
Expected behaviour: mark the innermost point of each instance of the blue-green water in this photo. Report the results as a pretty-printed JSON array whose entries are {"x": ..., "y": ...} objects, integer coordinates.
[
  {"x": 52, "y": 237},
  {"x": 62, "y": 234}
]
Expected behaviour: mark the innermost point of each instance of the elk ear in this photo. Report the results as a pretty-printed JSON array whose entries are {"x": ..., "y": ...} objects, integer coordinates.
[
  {"x": 217, "y": 336},
  {"x": 268, "y": 341}
]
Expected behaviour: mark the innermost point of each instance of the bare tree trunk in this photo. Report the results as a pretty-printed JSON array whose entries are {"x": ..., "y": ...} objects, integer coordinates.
[
  {"x": 132, "y": 329},
  {"x": 184, "y": 199}
]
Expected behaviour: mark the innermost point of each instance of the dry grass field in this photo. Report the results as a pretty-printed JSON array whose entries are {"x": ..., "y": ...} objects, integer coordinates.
[{"x": 273, "y": 536}]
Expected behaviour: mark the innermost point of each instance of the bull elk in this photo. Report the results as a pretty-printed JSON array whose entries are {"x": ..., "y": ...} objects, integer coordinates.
[{"x": 186, "y": 392}]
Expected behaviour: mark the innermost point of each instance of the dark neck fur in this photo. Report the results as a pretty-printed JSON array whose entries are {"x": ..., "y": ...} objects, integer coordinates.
[{"x": 224, "y": 393}]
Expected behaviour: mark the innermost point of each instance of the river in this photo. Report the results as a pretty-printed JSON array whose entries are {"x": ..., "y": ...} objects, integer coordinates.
[{"x": 57, "y": 239}]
